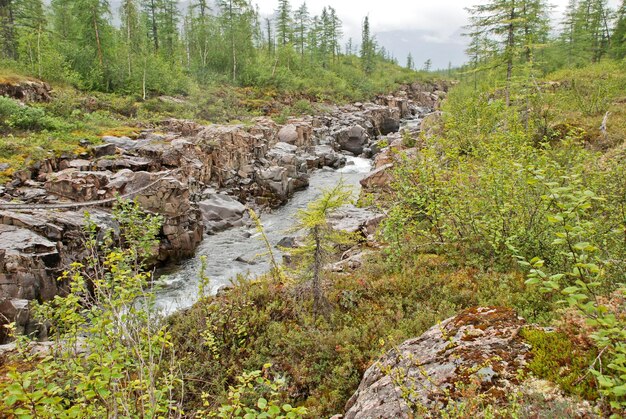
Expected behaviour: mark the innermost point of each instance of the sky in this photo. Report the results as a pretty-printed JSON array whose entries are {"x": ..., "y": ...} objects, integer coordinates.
[{"x": 429, "y": 29}]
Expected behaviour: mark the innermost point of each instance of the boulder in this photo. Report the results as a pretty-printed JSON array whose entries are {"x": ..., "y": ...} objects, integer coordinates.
[
  {"x": 352, "y": 139},
  {"x": 124, "y": 143},
  {"x": 351, "y": 219},
  {"x": 379, "y": 179},
  {"x": 77, "y": 185},
  {"x": 27, "y": 260},
  {"x": 479, "y": 345},
  {"x": 26, "y": 90},
  {"x": 104, "y": 150},
  {"x": 288, "y": 134},
  {"x": 220, "y": 212}
]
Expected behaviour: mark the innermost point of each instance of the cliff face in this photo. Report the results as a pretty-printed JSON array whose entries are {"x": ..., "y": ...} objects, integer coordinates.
[{"x": 26, "y": 90}]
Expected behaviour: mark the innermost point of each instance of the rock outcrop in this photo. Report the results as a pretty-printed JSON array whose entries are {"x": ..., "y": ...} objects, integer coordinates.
[
  {"x": 479, "y": 346},
  {"x": 26, "y": 90},
  {"x": 199, "y": 178}
]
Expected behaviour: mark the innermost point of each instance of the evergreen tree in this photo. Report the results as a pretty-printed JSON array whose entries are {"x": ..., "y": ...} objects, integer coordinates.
[
  {"x": 302, "y": 20},
  {"x": 427, "y": 65},
  {"x": 333, "y": 32},
  {"x": 535, "y": 27},
  {"x": 269, "y": 36},
  {"x": 151, "y": 10},
  {"x": 499, "y": 19},
  {"x": 236, "y": 18},
  {"x": 31, "y": 34},
  {"x": 586, "y": 31},
  {"x": 169, "y": 18},
  {"x": 283, "y": 22},
  {"x": 7, "y": 36},
  {"x": 618, "y": 38},
  {"x": 368, "y": 47},
  {"x": 320, "y": 241},
  {"x": 131, "y": 32},
  {"x": 409, "y": 62}
]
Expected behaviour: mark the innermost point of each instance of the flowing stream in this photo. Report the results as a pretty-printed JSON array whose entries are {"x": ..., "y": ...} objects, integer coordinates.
[{"x": 238, "y": 250}]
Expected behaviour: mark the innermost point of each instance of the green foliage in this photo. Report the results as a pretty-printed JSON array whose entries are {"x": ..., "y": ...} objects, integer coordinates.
[
  {"x": 256, "y": 396},
  {"x": 582, "y": 279},
  {"x": 320, "y": 240},
  {"x": 555, "y": 357},
  {"x": 22, "y": 117},
  {"x": 262, "y": 321},
  {"x": 108, "y": 345}
]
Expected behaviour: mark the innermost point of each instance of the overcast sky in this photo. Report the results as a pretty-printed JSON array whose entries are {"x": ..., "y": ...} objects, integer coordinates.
[{"x": 426, "y": 28}]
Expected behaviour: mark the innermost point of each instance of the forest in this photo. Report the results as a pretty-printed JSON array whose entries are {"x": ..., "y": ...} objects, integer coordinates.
[{"x": 487, "y": 279}]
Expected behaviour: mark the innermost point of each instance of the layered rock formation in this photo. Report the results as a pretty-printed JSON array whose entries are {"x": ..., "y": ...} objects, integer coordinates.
[
  {"x": 26, "y": 90},
  {"x": 199, "y": 178}
]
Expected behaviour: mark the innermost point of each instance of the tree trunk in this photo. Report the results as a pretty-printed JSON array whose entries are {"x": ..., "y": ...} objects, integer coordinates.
[
  {"x": 510, "y": 45},
  {"x": 155, "y": 33},
  {"x": 98, "y": 44},
  {"x": 317, "y": 268},
  {"x": 232, "y": 39}
]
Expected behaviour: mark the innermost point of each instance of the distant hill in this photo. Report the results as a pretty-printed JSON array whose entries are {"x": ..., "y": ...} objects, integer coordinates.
[{"x": 424, "y": 45}]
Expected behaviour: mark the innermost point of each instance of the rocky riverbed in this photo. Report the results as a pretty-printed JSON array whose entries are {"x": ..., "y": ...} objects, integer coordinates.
[{"x": 199, "y": 178}]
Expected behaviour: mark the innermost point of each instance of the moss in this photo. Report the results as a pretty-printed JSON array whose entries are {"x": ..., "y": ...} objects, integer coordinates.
[
  {"x": 556, "y": 358},
  {"x": 122, "y": 131}
]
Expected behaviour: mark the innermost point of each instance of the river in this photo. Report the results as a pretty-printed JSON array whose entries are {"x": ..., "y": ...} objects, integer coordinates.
[{"x": 180, "y": 282}]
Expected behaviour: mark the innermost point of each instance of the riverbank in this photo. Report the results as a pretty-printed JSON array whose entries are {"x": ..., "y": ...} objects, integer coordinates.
[{"x": 198, "y": 177}]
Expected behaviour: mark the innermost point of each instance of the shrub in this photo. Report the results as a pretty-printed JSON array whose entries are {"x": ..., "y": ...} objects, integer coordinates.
[{"x": 108, "y": 343}]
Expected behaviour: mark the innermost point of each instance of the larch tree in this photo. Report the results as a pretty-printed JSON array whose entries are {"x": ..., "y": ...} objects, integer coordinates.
[
  {"x": 410, "y": 64},
  {"x": 499, "y": 19},
  {"x": 618, "y": 37},
  {"x": 427, "y": 65},
  {"x": 7, "y": 35},
  {"x": 368, "y": 47},
  {"x": 333, "y": 32},
  {"x": 131, "y": 32},
  {"x": 151, "y": 10},
  {"x": 283, "y": 22},
  {"x": 236, "y": 21},
  {"x": 321, "y": 240},
  {"x": 302, "y": 20},
  {"x": 32, "y": 35}
]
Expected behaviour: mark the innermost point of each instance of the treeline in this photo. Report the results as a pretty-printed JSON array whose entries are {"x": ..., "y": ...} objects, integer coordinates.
[
  {"x": 151, "y": 46},
  {"x": 517, "y": 36}
]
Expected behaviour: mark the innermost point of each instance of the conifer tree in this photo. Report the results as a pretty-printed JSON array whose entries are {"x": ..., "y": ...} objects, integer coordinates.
[
  {"x": 498, "y": 18},
  {"x": 7, "y": 35},
  {"x": 618, "y": 38},
  {"x": 368, "y": 47},
  {"x": 427, "y": 65},
  {"x": 409, "y": 62},
  {"x": 320, "y": 241},
  {"x": 31, "y": 34},
  {"x": 283, "y": 22},
  {"x": 301, "y": 22}
]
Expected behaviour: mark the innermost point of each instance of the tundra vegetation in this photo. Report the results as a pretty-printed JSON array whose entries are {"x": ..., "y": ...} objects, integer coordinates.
[{"x": 515, "y": 197}]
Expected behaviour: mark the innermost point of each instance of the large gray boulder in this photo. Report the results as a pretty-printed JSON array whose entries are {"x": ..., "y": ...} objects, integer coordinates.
[
  {"x": 480, "y": 345},
  {"x": 352, "y": 139},
  {"x": 220, "y": 212},
  {"x": 379, "y": 179},
  {"x": 352, "y": 219}
]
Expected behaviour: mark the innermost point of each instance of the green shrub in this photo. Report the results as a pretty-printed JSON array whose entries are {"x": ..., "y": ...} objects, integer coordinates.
[{"x": 556, "y": 358}]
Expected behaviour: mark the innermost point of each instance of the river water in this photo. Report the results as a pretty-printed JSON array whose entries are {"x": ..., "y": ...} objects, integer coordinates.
[{"x": 180, "y": 282}]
